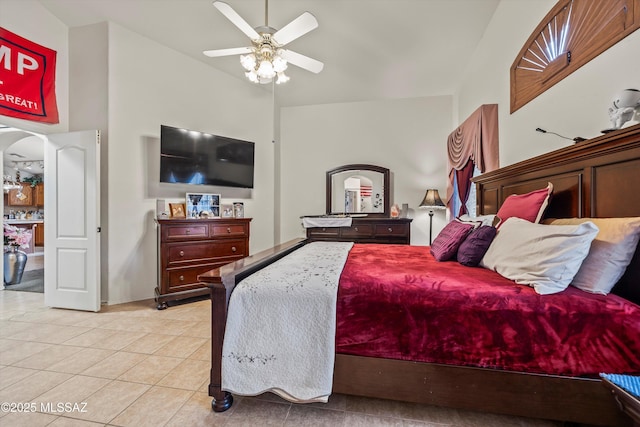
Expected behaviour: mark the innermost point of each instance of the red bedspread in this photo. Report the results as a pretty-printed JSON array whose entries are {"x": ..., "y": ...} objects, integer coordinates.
[{"x": 397, "y": 302}]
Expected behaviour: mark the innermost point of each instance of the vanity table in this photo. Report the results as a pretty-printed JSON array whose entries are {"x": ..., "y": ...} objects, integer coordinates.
[{"x": 363, "y": 193}]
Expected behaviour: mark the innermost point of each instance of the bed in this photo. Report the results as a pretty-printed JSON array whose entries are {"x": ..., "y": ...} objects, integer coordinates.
[{"x": 595, "y": 178}]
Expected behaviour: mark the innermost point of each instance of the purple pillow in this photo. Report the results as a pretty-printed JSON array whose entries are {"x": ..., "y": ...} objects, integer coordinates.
[
  {"x": 475, "y": 245},
  {"x": 446, "y": 244}
]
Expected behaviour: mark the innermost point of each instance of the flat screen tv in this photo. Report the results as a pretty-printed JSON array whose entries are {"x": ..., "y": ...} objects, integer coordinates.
[{"x": 191, "y": 157}]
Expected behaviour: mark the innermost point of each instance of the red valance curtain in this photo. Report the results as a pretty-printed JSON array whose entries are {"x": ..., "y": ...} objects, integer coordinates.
[
  {"x": 474, "y": 142},
  {"x": 463, "y": 179}
]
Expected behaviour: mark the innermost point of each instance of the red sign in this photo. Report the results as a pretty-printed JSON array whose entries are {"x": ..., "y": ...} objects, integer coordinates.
[{"x": 27, "y": 79}]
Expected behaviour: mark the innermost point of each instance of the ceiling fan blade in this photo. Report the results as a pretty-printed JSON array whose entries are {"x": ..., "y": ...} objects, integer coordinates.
[
  {"x": 236, "y": 19},
  {"x": 302, "y": 61},
  {"x": 296, "y": 28},
  {"x": 226, "y": 52}
]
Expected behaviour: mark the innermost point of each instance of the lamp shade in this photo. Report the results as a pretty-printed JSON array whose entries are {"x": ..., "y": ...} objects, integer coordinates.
[{"x": 432, "y": 200}]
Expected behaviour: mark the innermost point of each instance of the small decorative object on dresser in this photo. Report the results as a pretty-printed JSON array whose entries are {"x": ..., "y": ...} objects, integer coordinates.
[
  {"x": 226, "y": 211},
  {"x": 198, "y": 202},
  {"x": 189, "y": 247},
  {"x": 177, "y": 210},
  {"x": 238, "y": 210}
]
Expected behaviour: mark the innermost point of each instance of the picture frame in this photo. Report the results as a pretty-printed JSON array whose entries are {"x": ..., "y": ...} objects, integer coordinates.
[
  {"x": 238, "y": 210},
  {"x": 226, "y": 210},
  {"x": 202, "y": 205},
  {"x": 177, "y": 210}
]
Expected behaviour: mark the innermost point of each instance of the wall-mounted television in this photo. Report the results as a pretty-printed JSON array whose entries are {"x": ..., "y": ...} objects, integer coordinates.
[{"x": 191, "y": 157}]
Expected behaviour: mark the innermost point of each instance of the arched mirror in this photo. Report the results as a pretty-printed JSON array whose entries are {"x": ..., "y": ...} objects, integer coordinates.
[{"x": 358, "y": 189}]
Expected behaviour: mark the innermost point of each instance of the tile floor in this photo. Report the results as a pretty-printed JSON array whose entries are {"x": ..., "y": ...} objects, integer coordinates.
[
  {"x": 131, "y": 365},
  {"x": 35, "y": 260}
]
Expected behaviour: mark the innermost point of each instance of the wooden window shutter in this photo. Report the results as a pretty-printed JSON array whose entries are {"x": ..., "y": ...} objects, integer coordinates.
[{"x": 570, "y": 35}]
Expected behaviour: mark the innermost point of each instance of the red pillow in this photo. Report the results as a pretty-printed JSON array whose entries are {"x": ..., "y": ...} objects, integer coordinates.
[
  {"x": 446, "y": 244},
  {"x": 530, "y": 206}
]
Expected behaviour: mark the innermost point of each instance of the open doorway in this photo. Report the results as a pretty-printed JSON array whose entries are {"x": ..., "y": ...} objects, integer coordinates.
[{"x": 23, "y": 209}]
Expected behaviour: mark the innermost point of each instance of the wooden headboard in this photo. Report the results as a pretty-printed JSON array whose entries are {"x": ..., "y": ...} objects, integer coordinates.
[{"x": 597, "y": 178}]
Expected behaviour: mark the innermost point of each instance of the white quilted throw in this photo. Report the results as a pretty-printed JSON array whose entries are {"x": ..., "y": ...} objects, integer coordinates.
[{"x": 280, "y": 333}]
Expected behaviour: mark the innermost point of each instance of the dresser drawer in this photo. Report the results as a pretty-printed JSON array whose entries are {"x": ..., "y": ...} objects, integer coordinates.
[
  {"x": 365, "y": 230},
  {"x": 183, "y": 232},
  {"x": 181, "y": 279},
  {"x": 190, "y": 247},
  {"x": 179, "y": 253},
  {"x": 227, "y": 230},
  {"x": 319, "y": 232},
  {"x": 391, "y": 229}
]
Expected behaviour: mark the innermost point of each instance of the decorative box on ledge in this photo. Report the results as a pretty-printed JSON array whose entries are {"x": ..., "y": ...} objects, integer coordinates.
[{"x": 360, "y": 229}]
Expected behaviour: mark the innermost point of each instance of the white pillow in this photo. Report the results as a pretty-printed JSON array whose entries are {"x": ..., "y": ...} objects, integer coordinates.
[
  {"x": 485, "y": 219},
  {"x": 546, "y": 257},
  {"x": 610, "y": 252}
]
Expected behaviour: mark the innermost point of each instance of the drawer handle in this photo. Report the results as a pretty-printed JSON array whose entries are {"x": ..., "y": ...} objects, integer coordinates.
[
  {"x": 356, "y": 228},
  {"x": 228, "y": 229},
  {"x": 181, "y": 253},
  {"x": 188, "y": 231},
  {"x": 390, "y": 229},
  {"x": 324, "y": 229},
  {"x": 181, "y": 278},
  {"x": 233, "y": 249}
]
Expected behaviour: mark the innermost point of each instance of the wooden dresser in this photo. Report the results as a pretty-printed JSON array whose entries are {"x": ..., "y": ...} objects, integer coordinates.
[
  {"x": 366, "y": 230},
  {"x": 189, "y": 247}
]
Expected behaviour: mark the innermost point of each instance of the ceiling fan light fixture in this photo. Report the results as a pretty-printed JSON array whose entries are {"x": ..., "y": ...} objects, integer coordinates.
[
  {"x": 248, "y": 61},
  {"x": 265, "y": 58},
  {"x": 282, "y": 78},
  {"x": 265, "y": 70},
  {"x": 279, "y": 64},
  {"x": 252, "y": 76}
]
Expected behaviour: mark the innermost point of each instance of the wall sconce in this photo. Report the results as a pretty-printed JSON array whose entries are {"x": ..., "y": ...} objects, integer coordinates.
[{"x": 432, "y": 201}]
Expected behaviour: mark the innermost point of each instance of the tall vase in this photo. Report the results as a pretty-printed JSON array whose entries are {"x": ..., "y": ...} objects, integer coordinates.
[{"x": 14, "y": 262}]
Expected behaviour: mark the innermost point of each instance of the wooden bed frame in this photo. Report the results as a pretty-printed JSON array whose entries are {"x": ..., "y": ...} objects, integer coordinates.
[{"x": 594, "y": 178}]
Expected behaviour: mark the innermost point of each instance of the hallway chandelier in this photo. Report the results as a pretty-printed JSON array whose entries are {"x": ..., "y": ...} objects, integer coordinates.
[{"x": 10, "y": 184}]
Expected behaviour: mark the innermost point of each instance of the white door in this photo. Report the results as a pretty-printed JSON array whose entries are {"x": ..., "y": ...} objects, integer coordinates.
[{"x": 72, "y": 235}]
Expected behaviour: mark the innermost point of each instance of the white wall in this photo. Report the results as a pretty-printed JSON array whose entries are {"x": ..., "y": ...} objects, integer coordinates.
[
  {"x": 88, "y": 106},
  {"x": 577, "y": 106},
  {"x": 408, "y": 136},
  {"x": 150, "y": 85}
]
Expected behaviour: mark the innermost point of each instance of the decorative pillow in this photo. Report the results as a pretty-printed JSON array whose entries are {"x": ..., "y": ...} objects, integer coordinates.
[
  {"x": 471, "y": 222},
  {"x": 446, "y": 244},
  {"x": 485, "y": 219},
  {"x": 546, "y": 257},
  {"x": 475, "y": 245},
  {"x": 530, "y": 206},
  {"x": 610, "y": 252}
]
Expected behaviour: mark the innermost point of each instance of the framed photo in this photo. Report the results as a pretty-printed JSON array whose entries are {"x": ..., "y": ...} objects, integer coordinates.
[
  {"x": 227, "y": 211},
  {"x": 177, "y": 210},
  {"x": 238, "y": 210},
  {"x": 200, "y": 205}
]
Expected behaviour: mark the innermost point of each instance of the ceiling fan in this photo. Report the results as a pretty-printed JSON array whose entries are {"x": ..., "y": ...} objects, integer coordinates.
[{"x": 266, "y": 58}]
